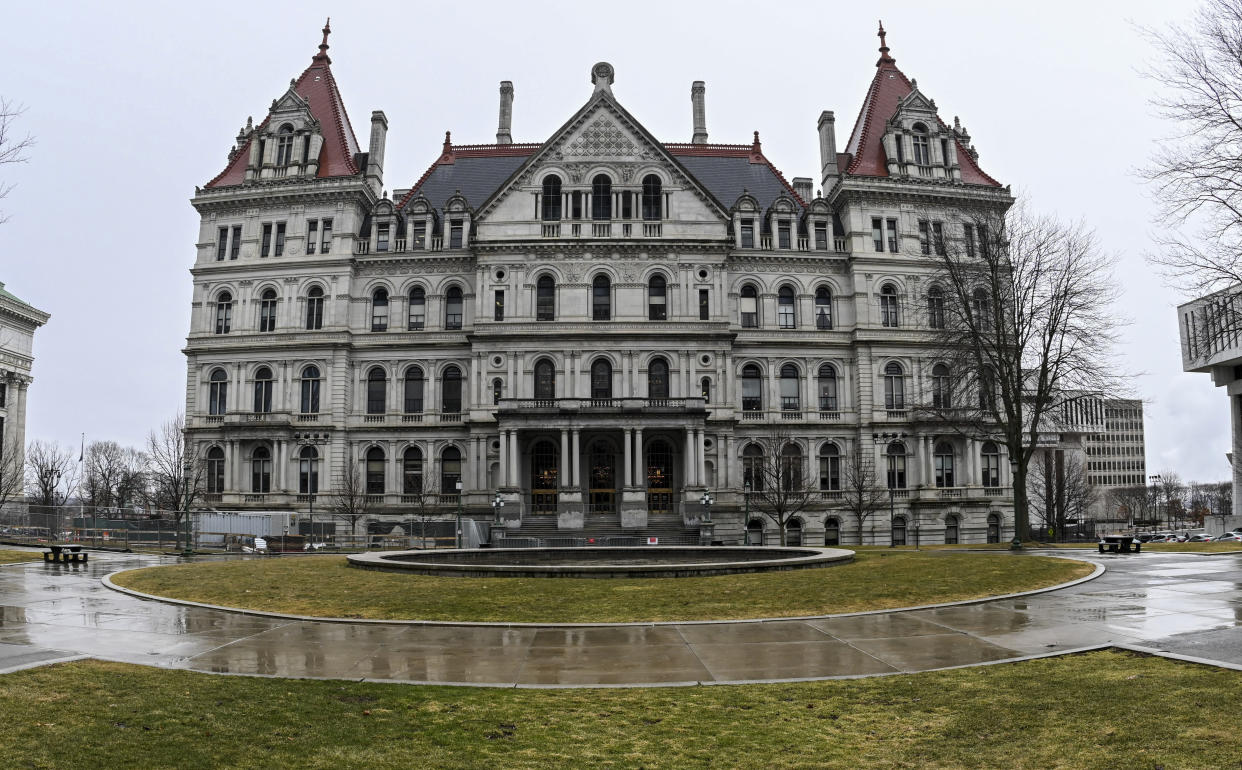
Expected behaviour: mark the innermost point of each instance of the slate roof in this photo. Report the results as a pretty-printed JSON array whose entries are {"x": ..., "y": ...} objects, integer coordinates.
[
  {"x": 888, "y": 88},
  {"x": 476, "y": 171},
  {"x": 319, "y": 89},
  {"x": 23, "y": 305}
]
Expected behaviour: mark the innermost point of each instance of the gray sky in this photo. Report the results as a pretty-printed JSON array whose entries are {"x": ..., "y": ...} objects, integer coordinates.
[{"x": 134, "y": 104}]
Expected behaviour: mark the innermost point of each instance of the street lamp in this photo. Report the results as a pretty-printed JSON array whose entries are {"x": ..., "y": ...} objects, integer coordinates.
[
  {"x": 187, "y": 468},
  {"x": 747, "y": 486},
  {"x": 884, "y": 438},
  {"x": 707, "y": 502},
  {"x": 312, "y": 474},
  {"x": 497, "y": 503},
  {"x": 459, "y": 514},
  {"x": 1158, "y": 481}
]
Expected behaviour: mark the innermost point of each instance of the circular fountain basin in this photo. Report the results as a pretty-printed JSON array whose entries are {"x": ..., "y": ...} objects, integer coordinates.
[{"x": 602, "y": 562}]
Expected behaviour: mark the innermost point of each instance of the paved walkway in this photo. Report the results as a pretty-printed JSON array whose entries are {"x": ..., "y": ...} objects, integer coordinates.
[{"x": 1187, "y": 604}]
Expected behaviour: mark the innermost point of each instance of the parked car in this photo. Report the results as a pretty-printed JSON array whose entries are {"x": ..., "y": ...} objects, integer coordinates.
[
  {"x": 1230, "y": 537},
  {"x": 1200, "y": 538}
]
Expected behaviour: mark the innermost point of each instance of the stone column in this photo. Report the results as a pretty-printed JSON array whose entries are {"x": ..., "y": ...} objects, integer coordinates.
[
  {"x": 629, "y": 458},
  {"x": 564, "y": 471},
  {"x": 514, "y": 465},
  {"x": 640, "y": 468},
  {"x": 503, "y": 481},
  {"x": 1235, "y": 404},
  {"x": 577, "y": 455},
  {"x": 698, "y": 447},
  {"x": 689, "y": 463}
]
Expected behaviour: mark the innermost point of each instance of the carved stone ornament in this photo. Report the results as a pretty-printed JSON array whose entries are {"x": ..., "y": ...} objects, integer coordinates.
[{"x": 602, "y": 138}]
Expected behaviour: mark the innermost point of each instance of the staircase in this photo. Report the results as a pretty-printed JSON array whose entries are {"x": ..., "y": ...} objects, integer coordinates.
[{"x": 598, "y": 529}]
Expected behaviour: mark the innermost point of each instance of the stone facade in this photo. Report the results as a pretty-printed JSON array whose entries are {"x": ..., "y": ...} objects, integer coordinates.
[
  {"x": 597, "y": 327},
  {"x": 18, "y": 322}
]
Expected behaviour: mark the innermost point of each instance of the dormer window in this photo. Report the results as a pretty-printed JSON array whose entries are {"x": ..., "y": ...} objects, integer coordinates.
[
  {"x": 922, "y": 146},
  {"x": 652, "y": 197},
  {"x": 381, "y": 236},
  {"x": 821, "y": 236},
  {"x": 601, "y": 197},
  {"x": 551, "y": 204},
  {"x": 456, "y": 231},
  {"x": 783, "y": 234},
  {"x": 748, "y": 233},
  {"x": 284, "y": 145}
]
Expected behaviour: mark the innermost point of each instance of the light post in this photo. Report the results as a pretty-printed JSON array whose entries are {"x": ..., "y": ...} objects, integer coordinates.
[
  {"x": 497, "y": 504},
  {"x": 459, "y": 514},
  {"x": 312, "y": 473},
  {"x": 1158, "y": 481},
  {"x": 884, "y": 438},
  {"x": 707, "y": 502},
  {"x": 746, "y": 523},
  {"x": 186, "y": 469}
]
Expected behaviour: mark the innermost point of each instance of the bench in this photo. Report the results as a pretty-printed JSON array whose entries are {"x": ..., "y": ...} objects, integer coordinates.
[
  {"x": 64, "y": 553},
  {"x": 1119, "y": 544}
]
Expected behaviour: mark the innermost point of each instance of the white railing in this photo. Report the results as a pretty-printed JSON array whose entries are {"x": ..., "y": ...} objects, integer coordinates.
[
  {"x": 551, "y": 230},
  {"x": 897, "y": 414},
  {"x": 601, "y": 230},
  {"x": 838, "y": 245},
  {"x": 373, "y": 418},
  {"x": 652, "y": 229},
  {"x": 308, "y": 418},
  {"x": 829, "y": 415}
]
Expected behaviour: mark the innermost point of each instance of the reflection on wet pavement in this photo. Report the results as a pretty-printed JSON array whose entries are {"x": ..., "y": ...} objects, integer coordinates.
[{"x": 1183, "y": 603}]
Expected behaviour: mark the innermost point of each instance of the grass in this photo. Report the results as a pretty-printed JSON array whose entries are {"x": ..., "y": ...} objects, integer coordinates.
[
  {"x": 1101, "y": 709},
  {"x": 326, "y": 587},
  {"x": 13, "y": 557}
]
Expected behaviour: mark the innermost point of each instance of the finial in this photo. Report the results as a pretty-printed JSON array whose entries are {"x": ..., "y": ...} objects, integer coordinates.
[
  {"x": 755, "y": 147},
  {"x": 884, "y": 57},
  {"x": 323, "y": 46},
  {"x": 448, "y": 140}
]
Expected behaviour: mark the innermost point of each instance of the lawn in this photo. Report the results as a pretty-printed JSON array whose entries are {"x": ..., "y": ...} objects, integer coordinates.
[
  {"x": 13, "y": 557},
  {"x": 324, "y": 586},
  {"x": 1138, "y": 712}
]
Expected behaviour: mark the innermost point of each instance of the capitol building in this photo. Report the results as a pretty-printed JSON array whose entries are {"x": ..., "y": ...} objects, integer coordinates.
[{"x": 597, "y": 329}]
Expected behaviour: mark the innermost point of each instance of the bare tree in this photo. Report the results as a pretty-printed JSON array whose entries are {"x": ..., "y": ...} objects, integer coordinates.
[
  {"x": 1059, "y": 491},
  {"x": 51, "y": 474},
  {"x": 1137, "y": 503},
  {"x": 1197, "y": 172},
  {"x": 114, "y": 475},
  {"x": 12, "y": 478},
  {"x": 349, "y": 502},
  {"x": 1026, "y": 331},
  {"x": 419, "y": 492},
  {"x": 863, "y": 492},
  {"x": 174, "y": 479},
  {"x": 780, "y": 486},
  {"x": 12, "y": 147}
]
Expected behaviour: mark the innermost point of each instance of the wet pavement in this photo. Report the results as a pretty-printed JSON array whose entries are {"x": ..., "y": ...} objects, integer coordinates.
[{"x": 1187, "y": 604}]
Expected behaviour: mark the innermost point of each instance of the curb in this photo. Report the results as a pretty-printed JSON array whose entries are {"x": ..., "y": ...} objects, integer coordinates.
[{"x": 107, "y": 582}]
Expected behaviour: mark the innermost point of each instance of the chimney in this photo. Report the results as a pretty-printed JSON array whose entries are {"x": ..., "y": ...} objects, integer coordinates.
[
  {"x": 828, "y": 149},
  {"x": 804, "y": 186},
  {"x": 700, "y": 112},
  {"x": 506, "y": 113},
  {"x": 375, "y": 150}
]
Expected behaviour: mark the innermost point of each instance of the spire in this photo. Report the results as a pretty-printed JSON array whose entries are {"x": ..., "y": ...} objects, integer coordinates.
[
  {"x": 322, "y": 56},
  {"x": 884, "y": 57}
]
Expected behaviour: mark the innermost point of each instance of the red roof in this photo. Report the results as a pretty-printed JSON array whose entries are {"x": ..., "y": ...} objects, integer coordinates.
[
  {"x": 318, "y": 88},
  {"x": 866, "y": 147}
]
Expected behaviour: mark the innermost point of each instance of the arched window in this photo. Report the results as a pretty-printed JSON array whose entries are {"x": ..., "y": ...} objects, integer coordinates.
[
  {"x": 601, "y": 197},
  {"x": 652, "y": 198},
  {"x": 601, "y": 379},
  {"x": 453, "y": 309},
  {"x": 941, "y": 387},
  {"x": 832, "y": 532},
  {"x": 450, "y": 471},
  {"x": 786, "y": 312},
  {"x": 657, "y": 298},
  {"x": 601, "y": 298},
  {"x": 899, "y": 530},
  {"x": 498, "y": 388},
  {"x": 308, "y": 471},
  {"x": 987, "y": 389},
  {"x": 752, "y": 468},
  {"x": 748, "y": 305},
  {"x": 545, "y": 379},
  {"x": 935, "y": 307},
  {"x": 944, "y": 465},
  {"x": 896, "y": 456},
  {"x": 418, "y": 309},
  {"x": 551, "y": 203},
  {"x": 450, "y": 386},
  {"x": 889, "y": 312},
  {"x": 981, "y": 306},
  {"x": 267, "y": 311},
  {"x": 262, "y": 390},
  {"x": 261, "y": 470},
  {"x": 994, "y": 527},
  {"x": 705, "y": 387},
  {"x": 922, "y": 147},
  {"x": 314, "y": 308},
  {"x": 894, "y": 387},
  {"x": 217, "y": 392},
  {"x": 990, "y": 465},
  {"x": 284, "y": 145},
  {"x": 545, "y": 299},
  {"x": 829, "y": 468},
  {"x": 754, "y": 532},
  {"x": 752, "y": 389},
  {"x": 791, "y": 468},
  {"x": 375, "y": 471},
  {"x": 657, "y": 378},
  {"x": 414, "y": 384},
  {"x": 790, "y": 386},
  {"x": 377, "y": 391},
  {"x": 828, "y": 388},
  {"x": 823, "y": 308},
  {"x": 215, "y": 470},
  {"x": 224, "y": 312},
  {"x": 950, "y": 530},
  {"x": 379, "y": 310},
  {"x": 793, "y": 532},
  {"x": 412, "y": 471}
]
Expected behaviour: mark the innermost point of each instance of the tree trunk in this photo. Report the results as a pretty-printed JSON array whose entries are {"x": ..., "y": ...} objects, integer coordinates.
[{"x": 1021, "y": 509}]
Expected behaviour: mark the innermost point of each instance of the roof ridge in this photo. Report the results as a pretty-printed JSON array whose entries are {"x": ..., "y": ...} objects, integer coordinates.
[{"x": 339, "y": 113}]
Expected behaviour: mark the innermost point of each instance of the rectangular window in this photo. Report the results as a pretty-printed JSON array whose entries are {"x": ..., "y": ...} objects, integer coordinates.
[
  {"x": 748, "y": 233},
  {"x": 829, "y": 472},
  {"x": 984, "y": 245},
  {"x": 627, "y": 205},
  {"x": 821, "y": 236},
  {"x": 893, "y": 243},
  {"x": 420, "y": 235},
  {"x": 265, "y": 248},
  {"x": 705, "y": 311},
  {"x": 877, "y": 233},
  {"x": 968, "y": 235},
  {"x": 235, "y": 246},
  {"x": 938, "y": 237},
  {"x": 924, "y": 236},
  {"x": 280, "y": 239},
  {"x": 455, "y": 234},
  {"x": 326, "y": 246},
  {"x": 381, "y": 237},
  {"x": 500, "y": 306},
  {"x": 944, "y": 151},
  {"x": 575, "y": 205},
  {"x": 782, "y": 234},
  {"x": 312, "y": 235},
  {"x": 222, "y": 243}
]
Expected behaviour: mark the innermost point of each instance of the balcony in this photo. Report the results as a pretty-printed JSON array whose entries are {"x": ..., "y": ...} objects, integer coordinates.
[{"x": 603, "y": 405}]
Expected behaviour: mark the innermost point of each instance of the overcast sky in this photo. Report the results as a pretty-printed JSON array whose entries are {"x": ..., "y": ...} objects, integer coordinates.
[{"x": 133, "y": 104}]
